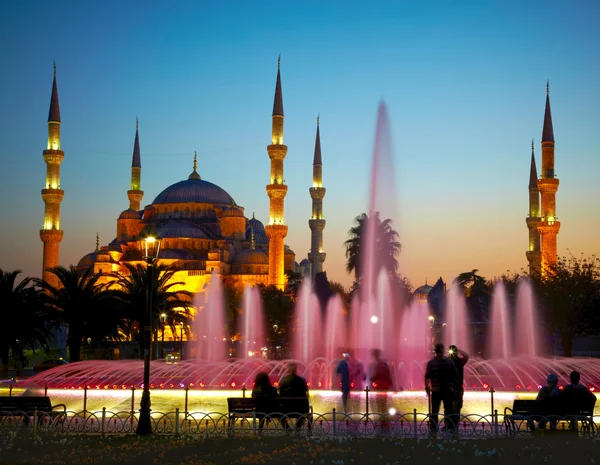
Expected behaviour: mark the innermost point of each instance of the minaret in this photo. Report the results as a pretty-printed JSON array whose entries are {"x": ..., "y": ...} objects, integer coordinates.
[
  {"x": 534, "y": 255},
  {"x": 316, "y": 222},
  {"x": 548, "y": 185},
  {"x": 135, "y": 194},
  {"x": 276, "y": 230},
  {"x": 51, "y": 235}
]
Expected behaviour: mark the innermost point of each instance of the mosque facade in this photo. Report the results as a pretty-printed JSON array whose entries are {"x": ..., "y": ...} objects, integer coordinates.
[{"x": 204, "y": 231}]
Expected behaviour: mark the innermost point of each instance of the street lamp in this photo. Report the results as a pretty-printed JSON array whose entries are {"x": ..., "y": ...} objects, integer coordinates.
[
  {"x": 431, "y": 319},
  {"x": 150, "y": 247}
]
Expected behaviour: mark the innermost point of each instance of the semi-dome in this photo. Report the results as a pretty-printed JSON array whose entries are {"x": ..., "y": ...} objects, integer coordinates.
[
  {"x": 251, "y": 257},
  {"x": 129, "y": 214},
  {"x": 232, "y": 212},
  {"x": 180, "y": 229},
  {"x": 193, "y": 190}
]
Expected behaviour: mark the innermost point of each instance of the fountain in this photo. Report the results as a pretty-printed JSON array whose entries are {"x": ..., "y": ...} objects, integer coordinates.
[
  {"x": 377, "y": 320},
  {"x": 456, "y": 325},
  {"x": 209, "y": 324},
  {"x": 252, "y": 324}
]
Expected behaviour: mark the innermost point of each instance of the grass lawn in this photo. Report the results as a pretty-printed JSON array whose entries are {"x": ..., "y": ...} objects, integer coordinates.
[{"x": 76, "y": 450}]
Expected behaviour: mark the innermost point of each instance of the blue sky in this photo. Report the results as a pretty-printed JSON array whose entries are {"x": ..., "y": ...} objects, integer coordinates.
[{"x": 464, "y": 84}]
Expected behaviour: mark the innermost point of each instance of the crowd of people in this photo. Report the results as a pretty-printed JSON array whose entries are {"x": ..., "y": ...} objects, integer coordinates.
[{"x": 444, "y": 380}]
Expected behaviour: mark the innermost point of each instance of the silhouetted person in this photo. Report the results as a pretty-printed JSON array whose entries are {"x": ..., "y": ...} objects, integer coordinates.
[
  {"x": 293, "y": 385},
  {"x": 460, "y": 359},
  {"x": 549, "y": 404},
  {"x": 381, "y": 380},
  {"x": 343, "y": 370},
  {"x": 264, "y": 395},
  {"x": 441, "y": 380},
  {"x": 576, "y": 397}
]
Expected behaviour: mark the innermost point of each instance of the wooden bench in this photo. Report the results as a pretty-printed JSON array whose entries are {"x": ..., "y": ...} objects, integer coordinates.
[
  {"x": 280, "y": 408},
  {"x": 27, "y": 406},
  {"x": 536, "y": 415}
]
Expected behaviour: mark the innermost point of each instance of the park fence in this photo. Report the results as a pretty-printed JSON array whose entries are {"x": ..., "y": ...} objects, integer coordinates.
[{"x": 331, "y": 424}]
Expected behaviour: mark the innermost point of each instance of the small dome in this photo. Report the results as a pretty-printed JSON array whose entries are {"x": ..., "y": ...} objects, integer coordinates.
[
  {"x": 129, "y": 214},
  {"x": 254, "y": 223},
  {"x": 423, "y": 290},
  {"x": 251, "y": 257},
  {"x": 288, "y": 251},
  {"x": 87, "y": 260},
  {"x": 304, "y": 262},
  {"x": 232, "y": 212}
]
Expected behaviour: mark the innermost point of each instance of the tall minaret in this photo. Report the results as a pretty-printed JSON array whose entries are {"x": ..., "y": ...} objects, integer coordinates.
[
  {"x": 135, "y": 194},
  {"x": 316, "y": 222},
  {"x": 51, "y": 235},
  {"x": 534, "y": 255},
  {"x": 548, "y": 185},
  {"x": 276, "y": 230}
]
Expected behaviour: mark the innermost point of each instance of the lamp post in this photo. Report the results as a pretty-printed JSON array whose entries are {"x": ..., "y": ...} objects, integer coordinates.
[
  {"x": 150, "y": 247},
  {"x": 163, "y": 321},
  {"x": 431, "y": 319}
]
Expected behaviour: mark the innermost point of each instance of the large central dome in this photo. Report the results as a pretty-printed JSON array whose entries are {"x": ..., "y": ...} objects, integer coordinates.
[{"x": 194, "y": 190}]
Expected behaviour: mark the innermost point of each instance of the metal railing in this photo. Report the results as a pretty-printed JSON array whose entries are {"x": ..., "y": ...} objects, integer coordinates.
[{"x": 330, "y": 424}]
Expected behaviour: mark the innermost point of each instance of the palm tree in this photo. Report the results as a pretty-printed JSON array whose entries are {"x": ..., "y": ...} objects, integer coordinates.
[
  {"x": 387, "y": 246},
  {"x": 24, "y": 322},
  {"x": 132, "y": 290},
  {"x": 85, "y": 305}
]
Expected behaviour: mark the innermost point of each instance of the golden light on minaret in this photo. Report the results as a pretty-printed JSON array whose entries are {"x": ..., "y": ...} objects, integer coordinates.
[
  {"x": 549, "y": 225},
  {"x": 135, "y": 194},
  {"x": 276, "y": 230},
  {"x": 52, "y": 195},
  {"x": 316, "y": 223},
  {"x": 534, "y": 254}
]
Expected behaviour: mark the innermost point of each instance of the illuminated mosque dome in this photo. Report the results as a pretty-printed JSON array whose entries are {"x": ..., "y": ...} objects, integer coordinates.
[
  {"x": 193, "y": 190},
  {"x": 251, "y": 257}
]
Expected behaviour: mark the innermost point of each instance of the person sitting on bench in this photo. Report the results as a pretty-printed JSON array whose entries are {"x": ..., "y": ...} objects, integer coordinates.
[
  {"x": 293, "y": 385},
  {"x": 548, "y": 399},
  {"x": 263, "y": 394},
  {"x": 576, "y": 397}
]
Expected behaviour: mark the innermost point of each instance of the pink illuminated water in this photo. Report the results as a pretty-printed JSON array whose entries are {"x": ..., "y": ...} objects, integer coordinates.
[
  {"x": 252, "y": 324},
  {"x": 456, "y": 329},
  {"x": 307, "y": 338},
  {"x": 527, "y": 331},
  {"x": 415, "y": 344},
  {"x": 499, "y": 337},
  {"x": 336, "y": 330},
  {"x": 209, "y": 323}
]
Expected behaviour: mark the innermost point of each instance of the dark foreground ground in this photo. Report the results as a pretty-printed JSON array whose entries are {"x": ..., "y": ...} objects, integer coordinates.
[{"x": 76, "y": 450}]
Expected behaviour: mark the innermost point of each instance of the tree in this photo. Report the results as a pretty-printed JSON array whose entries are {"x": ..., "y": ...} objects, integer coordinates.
[
  {"x": 84, "y": 304},
  {"x": 387, "y": 246},
  {"x": 278, "y": 310},
  {"x": 132, "y": 291},
  {"x": 569, "y": 294},
  {"x": 477, "y": 293},
  {"x": 23, "y": 317}
]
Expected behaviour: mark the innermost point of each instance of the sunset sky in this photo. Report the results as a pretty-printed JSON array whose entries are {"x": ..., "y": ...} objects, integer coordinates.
[{"x": 464, "y": 84}]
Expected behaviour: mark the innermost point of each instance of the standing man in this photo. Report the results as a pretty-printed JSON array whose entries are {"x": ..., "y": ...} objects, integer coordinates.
[
  {"x": 460, "y": 359},
  {"x": 441, "y": 378},
  {"x": 293, "y": 385},
  {"x": 343, "y": 370}
]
